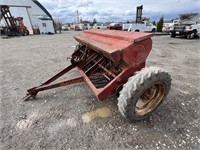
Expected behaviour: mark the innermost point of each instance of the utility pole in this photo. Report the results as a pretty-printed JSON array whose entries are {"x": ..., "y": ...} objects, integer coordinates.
[{"x": 77, "y": 16}]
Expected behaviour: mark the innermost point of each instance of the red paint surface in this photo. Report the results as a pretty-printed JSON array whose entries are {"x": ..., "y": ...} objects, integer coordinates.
[{"x": 130, "y": 47}]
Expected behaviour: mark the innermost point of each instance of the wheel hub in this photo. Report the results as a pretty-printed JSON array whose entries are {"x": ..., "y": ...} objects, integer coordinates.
[{"x": 150, "y": 99}]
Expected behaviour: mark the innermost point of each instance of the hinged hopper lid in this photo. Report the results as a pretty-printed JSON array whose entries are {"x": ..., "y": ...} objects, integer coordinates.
[{"x": 110, "y": 42}]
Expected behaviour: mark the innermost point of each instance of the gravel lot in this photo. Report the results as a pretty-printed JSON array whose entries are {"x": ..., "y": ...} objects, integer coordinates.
[{"x": 56, "y": 119}]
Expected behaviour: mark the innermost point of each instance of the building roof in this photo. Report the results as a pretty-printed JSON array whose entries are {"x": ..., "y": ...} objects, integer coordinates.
[
  {"x": 42, "y": 7},
  {"x": 24, "y": 3},
  {"x": 15, "y": 2}
]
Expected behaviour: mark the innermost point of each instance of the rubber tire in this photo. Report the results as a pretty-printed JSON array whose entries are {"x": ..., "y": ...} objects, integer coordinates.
[
  {"x": 173, "y": 35},
  {"x": 118, "y": 89},
  {"x": 153, "y": 31},
  {"x": 136, "y": 86},
  {"x": 27, "y": 32},
  {"x": 22, "y": 32},
  {"x": 191, "y": 35}
]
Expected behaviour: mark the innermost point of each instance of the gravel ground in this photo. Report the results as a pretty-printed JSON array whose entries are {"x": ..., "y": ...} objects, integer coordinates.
[{"x": 67, "y": 118}]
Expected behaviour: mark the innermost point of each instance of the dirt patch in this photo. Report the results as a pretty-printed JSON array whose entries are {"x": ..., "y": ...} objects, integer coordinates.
[{"x": 103, "y": 112}]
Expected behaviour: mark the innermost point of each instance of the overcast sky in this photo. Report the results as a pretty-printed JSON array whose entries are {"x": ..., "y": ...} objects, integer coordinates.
[{"x": 118, "y": 10}]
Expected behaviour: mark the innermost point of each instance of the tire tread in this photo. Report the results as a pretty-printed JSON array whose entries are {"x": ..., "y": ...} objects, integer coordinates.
[{"x": 137, "y": 83}]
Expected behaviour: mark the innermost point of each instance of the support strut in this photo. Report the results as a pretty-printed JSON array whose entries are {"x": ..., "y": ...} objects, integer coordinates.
[{"x": 46, "y": 85}]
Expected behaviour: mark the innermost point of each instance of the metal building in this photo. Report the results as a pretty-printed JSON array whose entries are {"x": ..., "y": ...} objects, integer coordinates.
[{"x": 36, "y": 17}]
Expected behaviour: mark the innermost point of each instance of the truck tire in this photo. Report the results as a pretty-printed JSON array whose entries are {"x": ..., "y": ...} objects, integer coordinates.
[
  {"x": 143, "y": 93},
  {"x": 7, "y": 31},
  {"x": 173, "y": 35},
  {"x": 153, "y": 31},
  {"x": 191, "y": 35},
  {"x": 26, "y": 32},
  {"x": 22, "y": 32},
  {"x": 137, "y": 30}
]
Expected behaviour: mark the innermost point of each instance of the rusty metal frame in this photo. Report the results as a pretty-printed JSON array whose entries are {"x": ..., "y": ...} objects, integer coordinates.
[
  {"x": 47, "y": 84},
  {"x": 105, "y": 60}
]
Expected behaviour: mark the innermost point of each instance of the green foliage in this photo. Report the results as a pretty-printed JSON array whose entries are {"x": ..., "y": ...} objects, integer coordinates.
[
  {"x": 94, "y": 21},
  {"x": 145, "y": 19},
  {"x": 187, "y": 16},
  {"x": 160, "y": 24}
]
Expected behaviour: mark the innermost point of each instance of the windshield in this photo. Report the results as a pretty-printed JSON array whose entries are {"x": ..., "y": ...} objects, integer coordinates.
[
  {"x": 148, "y": 23},
  {"x": 176, "y": 22}
]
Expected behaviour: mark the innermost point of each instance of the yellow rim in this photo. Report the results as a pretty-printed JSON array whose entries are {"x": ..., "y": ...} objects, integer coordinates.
[{"x": 150, "y": 99}]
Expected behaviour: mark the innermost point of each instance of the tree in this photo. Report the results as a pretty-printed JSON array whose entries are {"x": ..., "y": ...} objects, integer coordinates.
[
  {"x": 94, "y": 21},
  {"x": 145, "y": 19},
  {"x": 58, "y": 24},
  {"x": 187, "y": 16},
  {"x": 154, "y": 23},
  {"x": 160, "y": 24}
]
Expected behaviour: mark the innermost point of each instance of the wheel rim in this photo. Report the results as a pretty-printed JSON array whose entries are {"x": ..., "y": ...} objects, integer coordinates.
[
  {"x": 192, "y": 35},
  {"x": 150, "y": 99}
]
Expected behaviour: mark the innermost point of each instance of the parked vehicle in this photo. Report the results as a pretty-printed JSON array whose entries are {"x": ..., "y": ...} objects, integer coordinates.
[
  {"x": 189, "y": 31},
  {"x": 168, "y": 26},
  {"x": 65, "y": 28},
  {"x": 17, "y": 27},
  {"x": 79, "y": 27},
  {"x": 82, "y": 26},
  {"x": 125, "y": 26},
  {"x": 20, "y": 26},
  {"x": 12, "y": 26},
  {"x": 143, "y": 26},
  {"x": 87, "y": 26},
  {"x": 100, "y": 26},
  {"x": 115, "y": 26}
]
